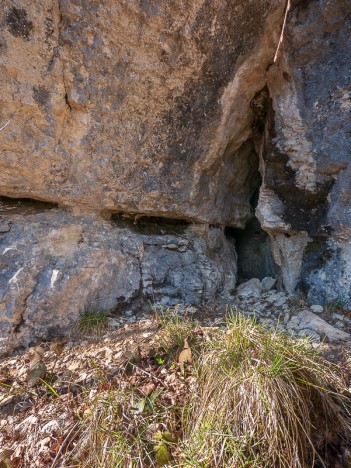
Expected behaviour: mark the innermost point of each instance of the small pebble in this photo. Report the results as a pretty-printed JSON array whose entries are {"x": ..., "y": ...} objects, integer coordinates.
[
  {"x": 317, "y": 309},
  {"x": 339, "y": 324},
  {"x": 338, "y": 317}
]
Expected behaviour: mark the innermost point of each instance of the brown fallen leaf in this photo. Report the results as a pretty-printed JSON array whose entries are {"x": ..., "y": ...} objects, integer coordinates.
[
  {"x": 36, "y": 354},
  {"x": 147, "y": 388},
  {"x": 5, "y": 456},
  {"x": 58, "y": 445},
  {"x": 35, "y": 373},
  {"x": 184, "y": 356},
  {"x": 346, "y": 313}
]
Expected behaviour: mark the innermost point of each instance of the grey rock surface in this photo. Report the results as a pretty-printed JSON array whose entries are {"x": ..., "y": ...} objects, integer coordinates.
[
  {"x": 182, "y": 110},
  {"x": 54, "y": 265},
  {"x": 251, "y": 289},
  {"x": 268, "y": 283},
  {"x": 305, "y": 198},
  {"x": 308, "y": 320},
  {"x": 134, "y": 106}
]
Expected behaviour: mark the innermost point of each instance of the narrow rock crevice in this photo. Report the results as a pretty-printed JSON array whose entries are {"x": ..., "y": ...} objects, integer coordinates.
[
  {"x": 150, "y": 225},
  {"x": 12, "y": 206},
  {"x": 58, "y": 51},
  {"x": 67, "y": 101},
  {"x": 252, "y": 243}
]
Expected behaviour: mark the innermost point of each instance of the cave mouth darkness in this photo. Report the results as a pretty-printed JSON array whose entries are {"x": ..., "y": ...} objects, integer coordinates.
[
  {"x": 252, "y": 243},
  {"x": 253, "y": 249}
]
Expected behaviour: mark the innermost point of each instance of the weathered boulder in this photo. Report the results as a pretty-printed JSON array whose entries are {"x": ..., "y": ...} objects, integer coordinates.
[
  {"x": 307, "y": 320},
  {"x": 53, "y": 265}
]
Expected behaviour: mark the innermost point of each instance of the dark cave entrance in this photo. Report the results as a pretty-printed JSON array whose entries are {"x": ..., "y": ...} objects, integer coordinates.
[
  {"x": 253, "y": 249},
  {"x": 252, "y": 245}
]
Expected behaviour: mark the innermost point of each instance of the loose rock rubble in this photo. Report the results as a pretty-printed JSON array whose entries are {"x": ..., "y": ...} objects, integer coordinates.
[
  {"x": 270, "y": 307},
  {"x": 277, "y": 309}
]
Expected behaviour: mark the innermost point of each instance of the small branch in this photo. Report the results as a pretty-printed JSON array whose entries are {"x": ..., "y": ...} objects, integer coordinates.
[
  {"x": 283, "y": 29},
  {"x": 6, "y": 124}
]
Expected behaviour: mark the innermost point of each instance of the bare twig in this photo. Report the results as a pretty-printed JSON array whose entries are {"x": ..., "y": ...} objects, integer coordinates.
[
  {"x": 63, "y": 443},
  {"x": 6, "y": 124},
  {"x": 283, "y": 29},
  {"x": 149, "y": 374}
]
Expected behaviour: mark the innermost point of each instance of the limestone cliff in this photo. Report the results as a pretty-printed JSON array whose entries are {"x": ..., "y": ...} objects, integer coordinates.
[{"x": 125, "y": 116}]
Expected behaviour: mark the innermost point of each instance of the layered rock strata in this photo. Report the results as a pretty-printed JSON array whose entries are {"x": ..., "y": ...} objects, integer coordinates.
[{"x": 55, "y": 265}]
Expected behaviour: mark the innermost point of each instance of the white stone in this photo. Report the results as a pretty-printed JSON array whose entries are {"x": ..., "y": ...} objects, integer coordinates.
[
  {"x": 317, "y": 309},
  {"x": 268, "y": 283},
  {"x": 250, "y": 289}
]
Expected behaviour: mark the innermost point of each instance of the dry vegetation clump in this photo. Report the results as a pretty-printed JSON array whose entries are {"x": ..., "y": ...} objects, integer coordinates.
[
  {"x": 175, "y": 394},
  {"x": 263, "y": 399},
  {"x": 91, "y": 320}
]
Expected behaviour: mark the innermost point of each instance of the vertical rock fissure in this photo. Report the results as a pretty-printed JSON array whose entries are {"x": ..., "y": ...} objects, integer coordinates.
[{"x": 252, "y": 243}]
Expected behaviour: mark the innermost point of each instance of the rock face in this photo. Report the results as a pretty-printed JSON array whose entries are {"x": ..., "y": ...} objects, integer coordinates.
[
  {"x": 54, "y": 265},
  {"x": 178, "y": 110},
  {"x": 305, "y": 199},
  {"x": 111, "y": 104}
]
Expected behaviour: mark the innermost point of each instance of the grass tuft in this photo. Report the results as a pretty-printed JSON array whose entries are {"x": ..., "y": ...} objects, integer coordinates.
[
  {"x": 91, "y": 320},
  {"x": 262, "y": 399},
  {"x": 175, "y": 331}
]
